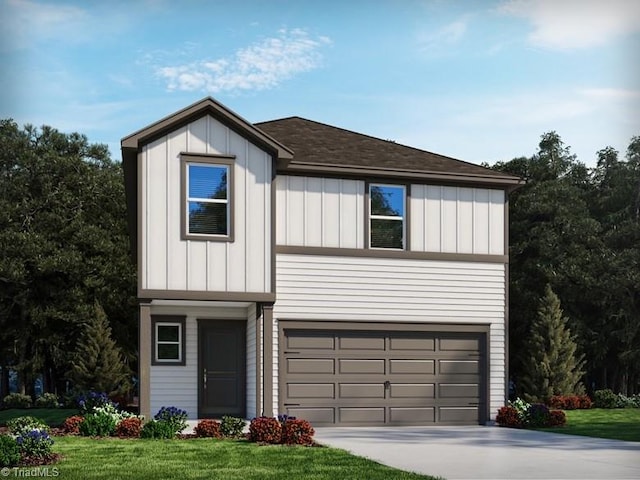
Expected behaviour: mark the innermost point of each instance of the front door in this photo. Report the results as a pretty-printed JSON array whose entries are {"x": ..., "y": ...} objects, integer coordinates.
[{"x": 222, "y": 372}]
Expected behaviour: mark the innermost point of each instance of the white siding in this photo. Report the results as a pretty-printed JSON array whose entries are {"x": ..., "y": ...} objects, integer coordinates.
[
  {"x": 457, "y": 220},
  {"x": 177, "y": 386},
  {"x": 386, "y": 290},
  {"x": 170, "y": 263},
  {"x": 320, "y": 212}
]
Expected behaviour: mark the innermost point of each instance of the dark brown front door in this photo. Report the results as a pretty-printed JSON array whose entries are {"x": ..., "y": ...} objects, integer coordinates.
[{"x": 222, "y": 375}]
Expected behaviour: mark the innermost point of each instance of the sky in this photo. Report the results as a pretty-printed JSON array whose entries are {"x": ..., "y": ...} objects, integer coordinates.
[{"x": 477, "y": 80}]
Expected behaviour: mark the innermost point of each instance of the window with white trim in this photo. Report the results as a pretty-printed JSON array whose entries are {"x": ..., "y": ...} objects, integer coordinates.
[
  {"x": 387, "y": 216},
  {"x": 168, "y": 340}
]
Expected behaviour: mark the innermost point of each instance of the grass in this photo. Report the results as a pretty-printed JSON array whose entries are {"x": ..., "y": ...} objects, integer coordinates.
[
  {"x": 53, "y": 417},
  {"x": 113, "y": 458},
  {"x": 616, "y": 424}
]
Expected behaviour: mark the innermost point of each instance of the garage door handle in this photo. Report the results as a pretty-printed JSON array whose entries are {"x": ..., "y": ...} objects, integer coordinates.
[
  {"x": 291, "y": 404},
  {"x": 290, "y": 352}
]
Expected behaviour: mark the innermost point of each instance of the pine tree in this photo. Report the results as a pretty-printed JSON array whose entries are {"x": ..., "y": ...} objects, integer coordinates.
[
  {"x": 98, "y": 363},
  {"x": 552, "y": 367}
]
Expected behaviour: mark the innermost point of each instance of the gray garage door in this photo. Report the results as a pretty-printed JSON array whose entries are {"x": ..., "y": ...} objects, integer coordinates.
[{"x": 383, "y": 378}]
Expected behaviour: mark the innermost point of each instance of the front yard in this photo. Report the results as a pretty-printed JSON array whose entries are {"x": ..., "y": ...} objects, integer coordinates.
[
  {"x": 113, "y": 458},
  {"x": 615, "y": 423}
]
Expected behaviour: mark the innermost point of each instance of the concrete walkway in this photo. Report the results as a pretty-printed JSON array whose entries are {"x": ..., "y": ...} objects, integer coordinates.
[{"x": 460, "y": 453}]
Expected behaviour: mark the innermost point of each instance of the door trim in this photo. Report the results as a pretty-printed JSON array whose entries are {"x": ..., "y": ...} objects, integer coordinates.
[{"x": 204, "y": 323}]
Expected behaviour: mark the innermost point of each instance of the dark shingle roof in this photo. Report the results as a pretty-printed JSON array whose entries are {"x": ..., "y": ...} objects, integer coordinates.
[{"x": 315, "y": 143}]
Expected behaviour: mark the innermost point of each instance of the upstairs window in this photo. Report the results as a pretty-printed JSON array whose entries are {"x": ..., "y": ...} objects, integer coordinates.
[
  {"x": 207, "y": 208},
  {"x": 387, "y": 216}
]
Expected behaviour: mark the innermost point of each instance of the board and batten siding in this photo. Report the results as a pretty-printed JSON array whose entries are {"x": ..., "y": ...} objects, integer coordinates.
[
  {"x": 177, "y": 385},
  {"x": 319, "y": 212},
  {"x": 330, "y": 212},
  {"x": 457, "y": 220},
  {"x": 170, "y": 263},
  {"x": 311, "y": 287}
]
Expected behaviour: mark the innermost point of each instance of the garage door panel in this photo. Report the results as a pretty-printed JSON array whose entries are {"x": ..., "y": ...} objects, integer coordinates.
[
  {"x": 460, "y": 344},
  {"x": 448, "y": 390},
  {"x": 303, "y": 340},
  {"x": 367, "y": 366},
  {"x": 315, "y": 415},
  {"x": 458, "y": 414},
  {"x": 413, "y": 390},
  {"x": 361, "y": 343},
  {"x": 458, "y": 367},
  {"x": 412, "y": 366},
  {"x": 361, "y": 390},
  {"x": 310, "y": 365},
  {"x": 412, "y": 415},
  {"x": 310, "y": 390},
  {"x": 362, "y": 414},
  {"x": 421, "y": 344}
]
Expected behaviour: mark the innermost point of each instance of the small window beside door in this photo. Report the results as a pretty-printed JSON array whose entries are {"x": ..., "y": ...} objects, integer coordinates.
[{"x": 168, "y": 340}]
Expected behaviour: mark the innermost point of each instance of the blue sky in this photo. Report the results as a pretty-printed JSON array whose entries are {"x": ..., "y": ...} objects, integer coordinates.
[{"x": 476, "y": 80}]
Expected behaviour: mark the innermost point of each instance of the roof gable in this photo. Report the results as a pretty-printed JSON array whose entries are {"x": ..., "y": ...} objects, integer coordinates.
[{"x": 322, "y": 147}]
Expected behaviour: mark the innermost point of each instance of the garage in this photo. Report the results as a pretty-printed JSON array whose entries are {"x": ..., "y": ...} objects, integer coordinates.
[{"x": 350, "y": 373}]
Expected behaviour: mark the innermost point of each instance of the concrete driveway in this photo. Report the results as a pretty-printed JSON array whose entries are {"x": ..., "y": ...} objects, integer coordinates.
[{"x": 488, "y": 452}]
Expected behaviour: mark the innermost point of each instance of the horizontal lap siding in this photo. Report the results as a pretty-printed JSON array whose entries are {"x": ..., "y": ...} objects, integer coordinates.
[
  {"x": 373, "y": 289},
  {"x": 170, "y": 263}
]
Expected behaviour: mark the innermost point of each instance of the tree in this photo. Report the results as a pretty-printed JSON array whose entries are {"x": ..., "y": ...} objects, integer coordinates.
[
  {"x": 98, "y": 362},
  {"x": 64, "y": 245},
  {"x": 553, "y": 368}
]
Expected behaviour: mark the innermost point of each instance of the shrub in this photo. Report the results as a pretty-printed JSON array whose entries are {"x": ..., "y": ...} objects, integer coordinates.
[
  {"x": 47, "y": 400},
  {"x": 605, "y": 398},
  {"x": 538, "y": 415},
  {"x": 521, "y": 407},
  {"x": 9, "y": 451},
  {"x": 71, "y": 424},
  {"x": 157, "y": 429},
  {"x": 208, "y": 428},
  {"x": 21, "y": 425},
  {"x": 36, "y": 443},
  {"x": 88, "y": 402},
  {"x": 265, "y": 430},
  {"x": 508, "y": 417},
  {"x": 97, "y": 425},
  {"x": 622, "y": 401},
  {"x": 17, "y": 400},
  {"x": 557, "y": 418},
  {"x": 297, "y": 432},
  {"x": 232, "y": 426},
  {"x": 129, "y": 427},
  {"x": 570, "y": 402},
  {"x": 174, "y": 417}
]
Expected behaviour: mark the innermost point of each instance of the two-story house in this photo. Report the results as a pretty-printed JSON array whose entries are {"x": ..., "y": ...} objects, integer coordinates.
[{"x": 294, "y": 267}]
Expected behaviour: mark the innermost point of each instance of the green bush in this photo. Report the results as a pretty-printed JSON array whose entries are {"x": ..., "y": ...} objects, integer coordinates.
[
  {"x": 157, "y": 429},
  {"x": 622, "y": 401},
  {"x": 97, "y": 425},
  {"x": 9, "y": 451},
  {"x": 174, "y": 417},
  {"x": 21, "y": 425},
  {"x": 35, "y": 443},
  {"x": 47, "y": 400},
  {"x": 232, "y": 426},
  {"x": 605, "y": 398},
  {"x": 17, "y": 400}
]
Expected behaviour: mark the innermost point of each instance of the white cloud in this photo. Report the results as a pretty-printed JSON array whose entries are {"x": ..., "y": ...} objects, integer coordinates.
[
  {"x": 574, "y": 24},
  {"x": 611, "y": 93},
  {"x": 23, "y": 21},
  {"x": 434, "y": 41},
  {"x": 260, "y": 66}
]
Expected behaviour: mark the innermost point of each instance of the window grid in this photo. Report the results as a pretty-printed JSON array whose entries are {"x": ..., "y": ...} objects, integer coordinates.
[{"x": 177, "y": 342}]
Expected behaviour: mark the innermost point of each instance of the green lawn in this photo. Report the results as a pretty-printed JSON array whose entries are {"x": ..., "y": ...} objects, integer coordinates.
[
  {"x": 617, "y": 423},
  {"x": 137, "y": 459},
  {"x": 51, "y": 416}
]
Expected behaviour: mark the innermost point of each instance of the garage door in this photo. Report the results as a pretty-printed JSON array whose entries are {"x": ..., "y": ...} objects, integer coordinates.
[{"x": 351, "y": 377}]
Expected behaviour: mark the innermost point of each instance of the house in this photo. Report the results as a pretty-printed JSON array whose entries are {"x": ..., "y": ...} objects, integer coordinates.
[{"x": 294, "y": 267}]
